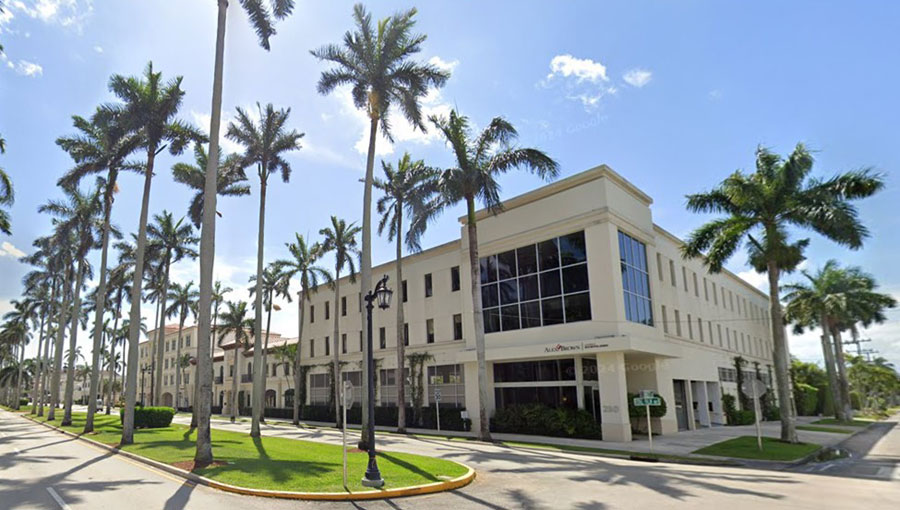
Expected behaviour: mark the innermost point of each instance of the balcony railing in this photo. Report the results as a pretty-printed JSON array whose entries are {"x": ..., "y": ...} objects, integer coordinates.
[{"x": 218, "y": 379}]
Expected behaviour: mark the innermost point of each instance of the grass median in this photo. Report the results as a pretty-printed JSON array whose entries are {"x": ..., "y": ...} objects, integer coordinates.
[
  {"x": 269, "y": 462},
  {"x": 745, "y": 447}
]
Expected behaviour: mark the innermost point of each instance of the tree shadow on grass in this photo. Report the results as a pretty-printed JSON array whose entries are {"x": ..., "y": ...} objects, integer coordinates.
[
  {"x": 261, "y": 471},
  {"x": 408, "y": 466}
]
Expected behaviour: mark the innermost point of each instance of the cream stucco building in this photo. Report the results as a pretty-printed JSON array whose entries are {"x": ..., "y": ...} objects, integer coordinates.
[{"x": 585, "y": 298}]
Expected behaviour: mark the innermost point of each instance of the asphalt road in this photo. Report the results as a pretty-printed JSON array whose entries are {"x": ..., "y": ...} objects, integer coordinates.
[
  {"x": 874, "y": 455},
  {"x": 42, "y": 469}
]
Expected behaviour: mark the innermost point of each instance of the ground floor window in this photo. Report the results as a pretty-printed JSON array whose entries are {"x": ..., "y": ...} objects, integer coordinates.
[
  {"x": 289, "y": 398},
  {"x": 551, "y": 396},
  {"x": 535, "y": 371},
  {"x": 319, "y": 388},
  {"x": 449, "y": 380}
]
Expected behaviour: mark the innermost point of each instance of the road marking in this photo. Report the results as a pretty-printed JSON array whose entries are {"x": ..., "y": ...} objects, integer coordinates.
[
  {"x": 886, "y": 471},
  {"x": 59, "y": 501},
  {"x": 826, "y": 467}
]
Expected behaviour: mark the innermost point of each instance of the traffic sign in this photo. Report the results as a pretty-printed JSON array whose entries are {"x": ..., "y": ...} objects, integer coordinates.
[
  {"x": 348, "y": 394},
  {"x": 754, "y": 388},
  {"x": 652, "y": 401},
  {"x": 437, "y": 394}
]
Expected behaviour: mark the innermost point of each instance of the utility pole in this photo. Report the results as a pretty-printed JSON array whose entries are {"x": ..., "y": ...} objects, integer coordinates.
[
  {"x": 869, "y": 353},
  {"x": 857, "y": 342}
]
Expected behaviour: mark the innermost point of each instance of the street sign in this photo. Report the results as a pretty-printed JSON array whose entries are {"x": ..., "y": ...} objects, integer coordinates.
[
  {"x": 652, "y": 401},
  {"x": 437, "y": 394},
  {"x": 348, "y": 394},
  {"x": 437, "y": 406},
  {"x": 648, "y": 400},
  {"x": 646, "y": 394},
  {"x": 755, "y": 389}
]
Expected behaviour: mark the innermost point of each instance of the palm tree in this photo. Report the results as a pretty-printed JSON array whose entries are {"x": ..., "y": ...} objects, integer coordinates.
[
  {"x": 376, "y": 62},
  {"x": 117, "y": 290},
  {"x": 150, "y": 107},
  {"x": 302, "y": 265},
  {"x": 37, "y": 285},
  {"x": 274, "y": 285},
  {"x": 264, "y": 146},
  {"x": 218, "y": 295},
  {"x": 101, "y": 145},
  {"x": 7, "y": 196},
  {"x": 78, "y": 215},
  {"x": 407, "y": 190},
  {"x": 183, "y": 298},
  {"x": 229, "y": 181},
  {"x": 16, "y": 333},
  {"x": 761, "y": 207},
  {"x": 176, "y": 241},
  {"x": 339, "y": 238},
  {"x": 262, "y": 20},
  {"x": 479, "y": 162},
  {"x": 236, "y": 322}
]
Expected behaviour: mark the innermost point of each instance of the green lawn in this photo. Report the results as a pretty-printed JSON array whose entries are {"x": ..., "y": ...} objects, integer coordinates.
[
  {"x": 813, "y": 428},
  {"x": 271, "y": 462},
  {"x": 745, "y": 447},
  {"x": 834, "y": 421}
]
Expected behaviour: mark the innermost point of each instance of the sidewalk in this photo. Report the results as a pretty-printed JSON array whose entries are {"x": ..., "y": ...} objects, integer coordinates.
[{"x": 422, "y": 441}]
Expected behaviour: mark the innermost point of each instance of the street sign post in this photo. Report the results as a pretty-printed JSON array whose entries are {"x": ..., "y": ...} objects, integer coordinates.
[
  {"x": 647, "y": 399},
  {"x": 755, "y": 389},
  {"x": 347, "y": 400},
  {"x": 437, "y": 407}
]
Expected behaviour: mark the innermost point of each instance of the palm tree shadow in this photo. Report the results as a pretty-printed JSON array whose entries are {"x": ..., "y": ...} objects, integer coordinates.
[{"x": 406, "y": 465}]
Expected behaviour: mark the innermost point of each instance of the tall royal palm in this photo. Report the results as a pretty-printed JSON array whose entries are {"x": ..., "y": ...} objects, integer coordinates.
[
  {"x": 150, "y": 108},
  {"x": 760, "y": 207},
  {"x": 7, "y": 196},
  {"x": 479, "y": 162},
  {"x": 80, "y": 216},
  {"x": 17, "y": 331},
  {"x": 183, "y": 299},
  {"x": 265, "y": 144},
  {"x": 274, "y": 285},
  {"x": 408, "y": 192},
  {"x": 101, "y": 145},
  {"x": 175, "y": 241},
  {"x": 262, "y": 14},
  {"x": 218, "y": 296},
  {"x": 230, "y": 180},
  {"x": 339, "y": 238},
  {"x": 236, "y": 322},
  {"x": 376, "y": 62},
  {"x": 302, "y": 265}
]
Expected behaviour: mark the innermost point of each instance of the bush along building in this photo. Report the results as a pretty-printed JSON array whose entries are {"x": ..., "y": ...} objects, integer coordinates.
[{"x": 586, "y": 302}]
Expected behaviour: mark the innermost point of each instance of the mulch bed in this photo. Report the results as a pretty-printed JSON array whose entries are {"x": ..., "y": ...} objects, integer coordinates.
[{"x": 190, "y": 465}]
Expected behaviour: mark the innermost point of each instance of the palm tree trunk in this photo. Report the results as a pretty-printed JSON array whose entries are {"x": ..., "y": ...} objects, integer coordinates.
[
  {"x": 257, "y": 399},
  {"x": 204, "y": 454},
  {"x": 135, "y": 314},
  {"x": 828, "y": 356},
  {"x": 843, "y": 384},
  {"x": 100, "y": 305},
  {"x": 365, "y": 263},
  {"x": 399, "y": 378},
  {"x": 178, "y": 364},
  {"x": 60, "y": 339},
  {"x": 300, "y": 311},
  {"x": 161, "y": 333},
  {"x": 112, "y": 349},
  {"x": 478, "y": 319},
  {"x": 336, "y": 362},
  {"x": 73, "y": 343},
  {"x": 265, "y": 362},
  {"x": 234, "y": 383},
  {"x": 40, "y": 365},
  {"x": 46, "y": 358},
  {"x": 21, "y": 349},
  {"x": 781, "y": 356}
]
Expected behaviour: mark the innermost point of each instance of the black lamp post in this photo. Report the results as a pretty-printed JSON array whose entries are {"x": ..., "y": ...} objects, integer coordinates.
[
  {"x": 144, "y": 370},
  {"x": 382, "y": 294}
]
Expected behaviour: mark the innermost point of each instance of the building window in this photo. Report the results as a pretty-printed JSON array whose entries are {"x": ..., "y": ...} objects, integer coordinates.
[
  {"x": 635, "y": 280},
  {"x": 710, "y": 332},
  {"x": 343, "y": 306},
  {"x": 690, "y": 327},
  {"x": 448, "y": 379},
  {"x": 360, "y": 341},
  {"x": 715, "y": 296},
  {"x": 405, "y": 295},
  {"x": 677, "y": 323},
  {"x": 719, "y": 331},
  {"x": 659, "y": 266},
  {"x": 454, "y": 278},
  {"x": 312, "y": 348},
  {"x": 405, "y": 333},
  {"x": 696, "y": 288},
  {"x": 665, "y": 319},
  {"x": 429, "y": 331},
  {"x": 535, "y": 371},
  {"x": 428, "y": 287},
  {"x": 382, "y": 338},
  {"x": 312, "y": 314},
  {"x": 672, "y": 272},
  {"x": 327, "y": 347},
  {"x": 187, "y": 341},
  {"x": 536, "y": 285},
  {"x": 705, "y": 289},
  {"x": 327, "y": 310},
  {"x": 343, "y": 343},
  {"x": 274, "y": 369},
  {"x": 684, "y": 277},
  {"x": 700, "y": 328},
  {"x": 320, "y": 388},
  {"x": 457, "y": 326}
]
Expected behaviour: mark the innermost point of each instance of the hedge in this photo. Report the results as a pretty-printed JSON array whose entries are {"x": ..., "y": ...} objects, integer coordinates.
[
  {"x": 541, "y": 420},
  {"x": 806, "y": 397},
  {"x": 451, "y": 418},
  {"x": 150, "y": 417},
  {"x": 24, "y": 402}
]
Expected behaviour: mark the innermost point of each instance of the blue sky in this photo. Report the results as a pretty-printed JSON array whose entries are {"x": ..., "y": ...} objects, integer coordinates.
[{"x": 672, "y": 95}]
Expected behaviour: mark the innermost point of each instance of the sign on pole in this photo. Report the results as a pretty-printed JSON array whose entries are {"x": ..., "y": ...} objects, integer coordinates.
[
  {"x": 437, "y": 406},
  {"x": 648, "y": 399},
  {"x": 755, "y": 389},
  {"x": 347, "y": 400}
]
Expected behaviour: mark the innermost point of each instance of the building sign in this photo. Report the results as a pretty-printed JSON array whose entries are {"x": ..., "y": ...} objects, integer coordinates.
[{"x": 585, "y": 346}]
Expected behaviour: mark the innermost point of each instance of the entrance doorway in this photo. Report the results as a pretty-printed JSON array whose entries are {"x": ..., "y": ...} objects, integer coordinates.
[
  {"x": 592, "y": 402},
  {"x": 680, "y": 406}
]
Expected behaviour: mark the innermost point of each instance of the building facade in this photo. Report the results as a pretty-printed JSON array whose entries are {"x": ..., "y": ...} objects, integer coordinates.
[{"x": 585, "y": 299}]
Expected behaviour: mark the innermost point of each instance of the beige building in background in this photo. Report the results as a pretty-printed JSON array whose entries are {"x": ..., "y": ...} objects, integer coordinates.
[{"x": 586, "y": 300}]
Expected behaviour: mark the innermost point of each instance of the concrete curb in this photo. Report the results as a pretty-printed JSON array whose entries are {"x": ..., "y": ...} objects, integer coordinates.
[{"x": 430, "y": 488}]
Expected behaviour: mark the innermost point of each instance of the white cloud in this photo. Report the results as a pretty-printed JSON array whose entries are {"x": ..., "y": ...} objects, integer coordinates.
[
  {"x": 583, "y": 69},
  {"x": 26, "y": 68},
  {"x": 202, "y": 120},
  {"x": 7, "y": 249},
  {"x": 758, "y": 280},
  {"x": 442, "y": 64},
  {"x": 715, "y": 95},
  {"x": 637, "y": 77},
  {"x": 98, "y": 49},
  {"x": 66, "y": 13}
]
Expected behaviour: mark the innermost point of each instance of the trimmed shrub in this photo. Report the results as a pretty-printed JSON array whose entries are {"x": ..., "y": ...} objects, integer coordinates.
[
  {"x": 733, "y": 415},
  {"x": 150, "y": 417},
  {"x": 541, "y": 420},
  {"x": 855, "y": 400},
  {"x": 451, "y": 417},
  {"x": 24, "y": 402},
  {"x": 807, "y": 398}
]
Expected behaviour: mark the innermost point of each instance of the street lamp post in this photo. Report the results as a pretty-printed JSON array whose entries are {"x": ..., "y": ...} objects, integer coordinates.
[
  {"x": 144, "y": 370},
  {"x": 382, "y": 294}
]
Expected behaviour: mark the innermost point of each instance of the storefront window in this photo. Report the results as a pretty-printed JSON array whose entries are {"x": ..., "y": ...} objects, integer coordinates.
[{"x": 635, "y": 280}]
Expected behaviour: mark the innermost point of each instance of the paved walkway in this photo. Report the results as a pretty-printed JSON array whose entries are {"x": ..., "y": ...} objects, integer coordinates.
[{"x": 681, "y": 444}]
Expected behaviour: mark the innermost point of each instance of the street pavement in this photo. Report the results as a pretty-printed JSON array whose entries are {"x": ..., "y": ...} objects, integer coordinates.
[{"x": 42, "y": 469}]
